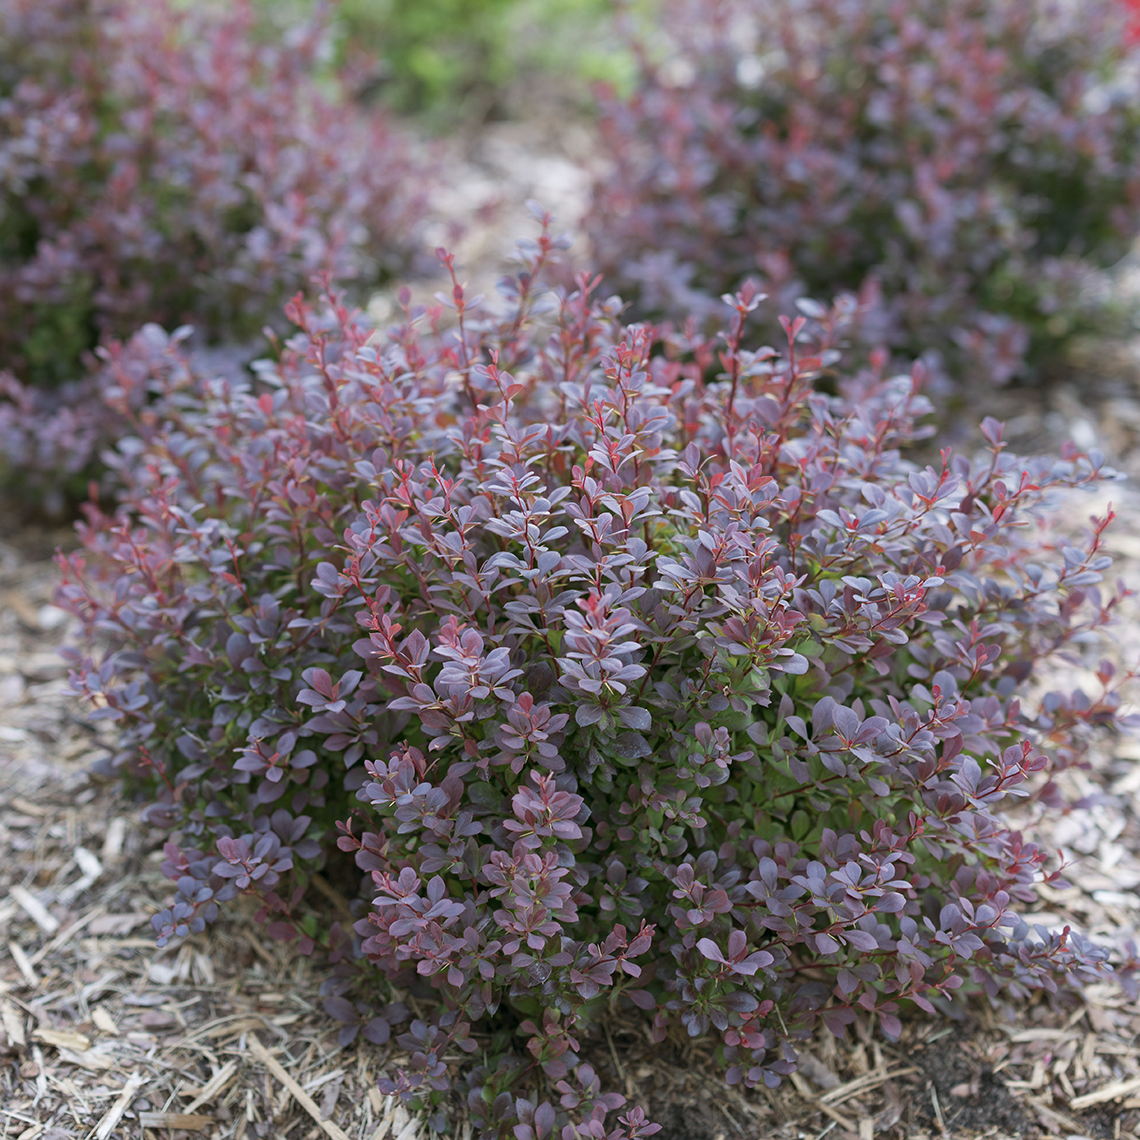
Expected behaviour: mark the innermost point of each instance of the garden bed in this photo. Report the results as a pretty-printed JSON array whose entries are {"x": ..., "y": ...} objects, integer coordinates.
[{"x": 106, "y": 1035}]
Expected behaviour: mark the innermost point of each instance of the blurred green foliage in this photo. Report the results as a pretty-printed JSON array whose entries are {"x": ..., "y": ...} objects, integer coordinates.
[
  {"x": 434, "y": 54},
  {"x": 454, "y": 60}
]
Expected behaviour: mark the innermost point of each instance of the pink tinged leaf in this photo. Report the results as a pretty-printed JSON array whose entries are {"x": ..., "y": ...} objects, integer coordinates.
[
  {"x": 710, "y": 950},
  {"x": 544, "y": 1120},
  {"x": 837, "y": 1020},
  {"x": 891, "y": 1025},
  {"x": 339, "y": 1009}
]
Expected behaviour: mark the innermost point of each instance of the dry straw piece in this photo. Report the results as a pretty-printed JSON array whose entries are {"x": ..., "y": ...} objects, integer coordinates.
[{"x": 295, "y": 1090}]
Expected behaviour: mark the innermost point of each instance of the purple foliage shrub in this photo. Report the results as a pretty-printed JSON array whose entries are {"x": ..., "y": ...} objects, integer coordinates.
[
  {"x": 638, "y": 675},
  {"x": 962, "y": 161},
  {"x": 170, "y": 163}
]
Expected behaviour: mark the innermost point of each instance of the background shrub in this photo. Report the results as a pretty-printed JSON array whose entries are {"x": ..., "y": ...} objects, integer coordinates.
[
  {"x": 636, "y": 673},
  {"x": 963, "y": 161},
  {"x": 162, "y": 162}
]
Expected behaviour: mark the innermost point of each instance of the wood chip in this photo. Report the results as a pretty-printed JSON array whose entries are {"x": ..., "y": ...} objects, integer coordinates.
[
  {"x": 94, "y": 1060},
  {"x": 846, "y": 1091},
  {"x": 234, "y": 1029},
  {"x": 117, "y": 923},
  {"x": 41, "y": 1075},
  {"x": 88, "y": 863},
  {"x": 22, "y": 964},
  {"x": 805, "y": 1091},
  {"x": 115, "y": 1113},
  {"x": 213, "y": 1086},
  {"x": 1114, "y": 1091},
  {"x": 107, "y": 945},
  {"x": 410, "y": 1130},
  {"x": 27, "y": 807},
  {"x": 204, "y": 965},
  {"x": 113, "y": 840},
  {"x": 63, "y": 1039},
  {"x": 323, "y": 1079},
  {"x": 104, "y": 1022},
  {"x": 65, "y": 936},
  {"x": 13, "y": 1024},
  {"x": 34, "y": 909},
  {"x": 161, "y": 973},
  {"x": 298, "y": 1093},
  {"x": 189, "y": 1120},
  {"x": 386, "y": 1123},
  {"x": 1024, "y": 1036},
  {"x": 97, "y": 988},
  {"x": 1054, "y": 1118}
]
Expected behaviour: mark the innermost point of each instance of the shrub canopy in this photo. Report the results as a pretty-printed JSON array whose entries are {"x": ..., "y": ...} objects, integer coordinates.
[{"x": 636, "y": 671}]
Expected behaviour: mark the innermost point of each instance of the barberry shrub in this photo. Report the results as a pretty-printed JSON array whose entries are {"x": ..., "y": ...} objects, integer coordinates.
[
  {"x": 168, "y": 162},
  {"x": 968, "y": 163},
  {"x": 641, "y": 677}
]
